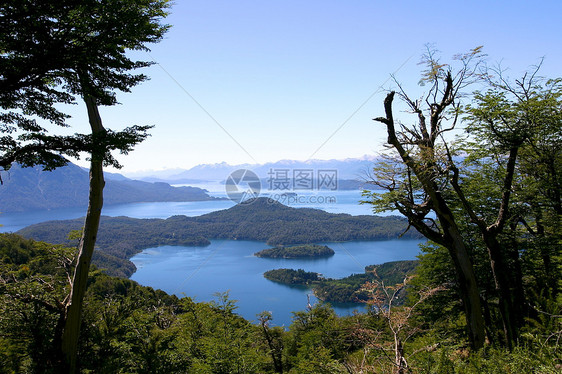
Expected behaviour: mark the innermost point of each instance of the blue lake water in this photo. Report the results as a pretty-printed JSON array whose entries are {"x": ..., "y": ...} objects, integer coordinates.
[
  {"x": 336, "y": 202},
  {"x": 229, "y": 265}
]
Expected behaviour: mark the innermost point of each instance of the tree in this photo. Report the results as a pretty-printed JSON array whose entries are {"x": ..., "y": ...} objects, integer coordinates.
[
  {"x": 475, "y": 187},
  {"x": 398, "y": 319},
  {"x": 30, "y": 64},
  {"x": 85, "y": 56},
  {"x": 416, "y": 181},
  {"x": 273, "y": 337},
  {"x": 33, "y": 285},
  {"x": 519, "y": 148}
]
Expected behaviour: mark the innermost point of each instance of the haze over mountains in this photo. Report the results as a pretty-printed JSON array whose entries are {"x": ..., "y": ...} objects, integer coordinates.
[
  {"x": 348, "y": 169},
  {"x": 26, "y": 189}
]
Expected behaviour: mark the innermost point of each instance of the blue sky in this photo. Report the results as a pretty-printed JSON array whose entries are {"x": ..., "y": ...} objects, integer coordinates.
[{"x": 257, "y": 81}]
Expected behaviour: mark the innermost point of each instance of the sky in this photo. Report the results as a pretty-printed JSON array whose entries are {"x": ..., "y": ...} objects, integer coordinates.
[{"x": 258, "y": 81}]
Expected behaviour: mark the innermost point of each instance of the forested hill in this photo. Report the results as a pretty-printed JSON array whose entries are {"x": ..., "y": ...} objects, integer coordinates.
[
  {"x": 32, "y": 188},
  {"x": 263, "y": 220},
  {"x": 279, "y": 224}
]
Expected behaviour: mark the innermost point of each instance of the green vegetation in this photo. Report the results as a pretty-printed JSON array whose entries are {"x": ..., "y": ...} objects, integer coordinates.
[
  {"x": 121, "y": 239},
  {"x": 292, "y": 277},
  {"x": 297, "y": 251},
  {"x": 488, "y": 201},
  {"x": 63, "y": 53},
  {"x": 135, "y": 329},
  {"x": 264, "y": 220},
  {"x": 485, "y": 297},
  {"x": 393, "y": 272},
  {"x": 349, "y": 289}
]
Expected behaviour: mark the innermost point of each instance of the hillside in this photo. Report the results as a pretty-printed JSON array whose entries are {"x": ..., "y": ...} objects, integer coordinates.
[
  {"x": 262, "y": 220},
  {"x": 32, "y": 189},
  {"x": 130, "y": 328}
]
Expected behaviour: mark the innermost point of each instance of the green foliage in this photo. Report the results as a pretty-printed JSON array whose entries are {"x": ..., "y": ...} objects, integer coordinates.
[
  {"x": 442, "y": 310},
  {"x": 33, "y": 285},
  {"x": 317, "y": 360},
  {"x": 27, "y": 87},
  {"x": 490, "y": 361},
  {"x": 393, "y": 272},
  {"x": 130, "y": 328},
  {"x": 125, "y": 328},
  {"x": 435, "y": 70},
  {"x": 53, "y": 52},
  {"x": 85, "y": 54},
  {"x": 316, "y": 325},
  {"x": 272, "y": 222},
  {"x": 290, "y": 276},
  {"x": 491, "y": 198},
  {"x": 339, "y": 292},
  {"x": 350, "y": 289}
]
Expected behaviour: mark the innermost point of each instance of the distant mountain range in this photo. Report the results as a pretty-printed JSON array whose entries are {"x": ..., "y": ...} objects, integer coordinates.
[
  {"x": 32, "y": 188},
  {"x": 348, "y": 169},
  {"x": 25, "y": 189}
]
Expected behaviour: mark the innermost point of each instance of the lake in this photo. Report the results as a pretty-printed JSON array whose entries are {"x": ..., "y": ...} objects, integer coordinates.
[
  {"x": 335, "y": 202},
  {"x": 226, "y": 265},
  {"x": 229, "y": 265}
]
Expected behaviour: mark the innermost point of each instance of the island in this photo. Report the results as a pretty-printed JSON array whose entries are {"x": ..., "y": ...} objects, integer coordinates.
[
  {"x": 296, "y": 251},
  {"x": 349, "y": 289},
  {"x": 292, "y": 277}
]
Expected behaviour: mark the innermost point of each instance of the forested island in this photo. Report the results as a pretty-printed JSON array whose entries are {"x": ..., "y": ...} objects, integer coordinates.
[
  {"x": 120, "y": 238},
  {"x": 348, "y": 289},
  {"x": 297, "y": 251},
  {"x": 292, "y": 277}
]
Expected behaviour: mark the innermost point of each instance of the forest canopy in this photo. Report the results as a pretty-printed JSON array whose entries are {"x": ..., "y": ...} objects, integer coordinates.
[{"x": 490, "y": 198}]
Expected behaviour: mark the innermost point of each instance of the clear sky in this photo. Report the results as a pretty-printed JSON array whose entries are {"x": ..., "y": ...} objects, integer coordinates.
[{"x": 252, "y": 81}]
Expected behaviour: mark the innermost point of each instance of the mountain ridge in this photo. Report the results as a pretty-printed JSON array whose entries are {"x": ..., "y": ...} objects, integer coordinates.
[
  {"x": 350, "y": 169},
  {"x": 27, "y": 189}
]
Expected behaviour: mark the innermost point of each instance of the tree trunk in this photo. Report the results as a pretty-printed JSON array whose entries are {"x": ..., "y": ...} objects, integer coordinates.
[
  {"x": 274, "y": 351},
  {"x": 470, "y": 293},
  {"x": 399, "y": 359},
  {"x": 487, "y": 319},
  {"x": 69, "y": 344},
  {"x": 451, "y": 236},
  {"x": 506, "y": 283}
]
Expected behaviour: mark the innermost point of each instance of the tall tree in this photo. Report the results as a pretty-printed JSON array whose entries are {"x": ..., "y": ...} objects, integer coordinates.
[
  {"x": 518, "y": 128},
  {"x": 416, "y": 180},
  {"x": 473, "y": 200},
  {"x": 107, "y": 30},
  {"x": 83, "y": 45}
]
